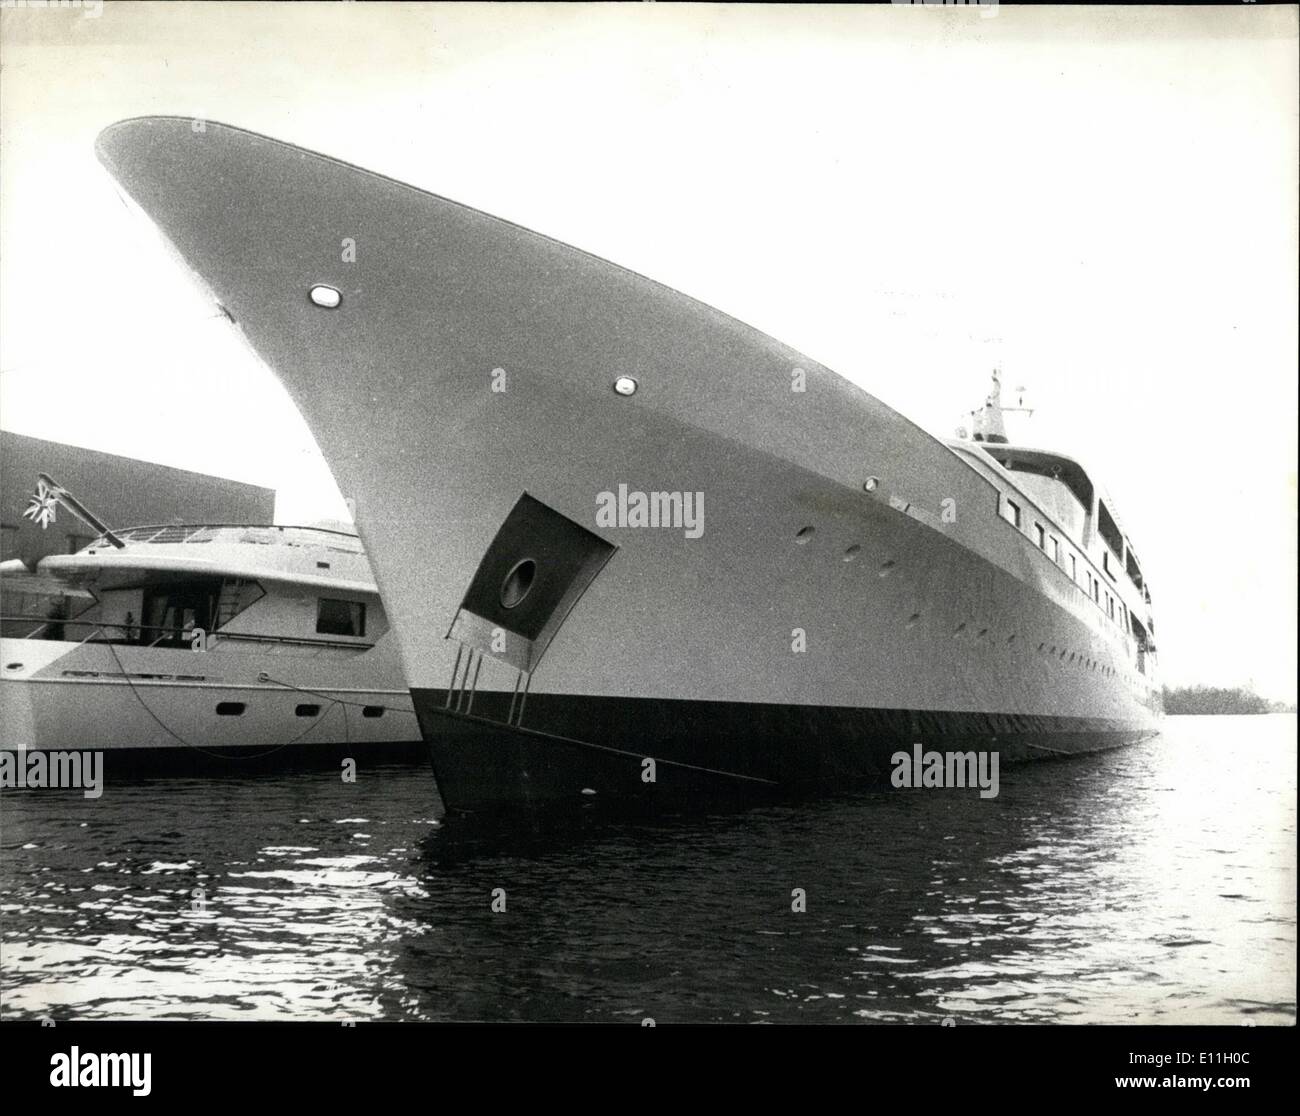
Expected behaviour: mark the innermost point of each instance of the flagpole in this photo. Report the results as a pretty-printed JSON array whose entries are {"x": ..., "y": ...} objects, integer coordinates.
[{"x": 69, "y": 501}]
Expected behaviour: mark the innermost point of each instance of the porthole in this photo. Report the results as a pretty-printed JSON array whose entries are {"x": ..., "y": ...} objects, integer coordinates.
[
  {"x": 911, "y": 620},
  {"x": 307, "y": 711},
  {"x": 518, "y": 583},
  {"x": 981, "y": 633},
  {"x": 959, "y": 628},
  {"x": 802, "y": 535},
  {"x": 852, "y": 552},
  {"x": 230, "y": 708},
  {"x": 885, "y": 566}
]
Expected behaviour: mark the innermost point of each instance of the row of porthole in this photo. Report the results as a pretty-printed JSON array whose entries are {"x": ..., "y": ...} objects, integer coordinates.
[
  {"x": 1075, "y": 657},
  {"x": 1092, "y": 664},
  {"x": 805, "y": 533},
  {"x": 237, "y": 708}
]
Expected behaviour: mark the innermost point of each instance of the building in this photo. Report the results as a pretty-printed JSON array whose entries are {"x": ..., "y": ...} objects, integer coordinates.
[{"x": 121, "y": 491}]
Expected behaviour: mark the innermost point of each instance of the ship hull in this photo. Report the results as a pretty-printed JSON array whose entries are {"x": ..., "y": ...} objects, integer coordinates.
[
  {"x": 846, "y": 587},
  {"x": 714, "y": 753}
]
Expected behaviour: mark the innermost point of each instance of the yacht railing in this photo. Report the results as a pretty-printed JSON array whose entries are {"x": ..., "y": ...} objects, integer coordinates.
[
  {"x": 255, "y": 533},
  {"x": 135, "y": 635}
]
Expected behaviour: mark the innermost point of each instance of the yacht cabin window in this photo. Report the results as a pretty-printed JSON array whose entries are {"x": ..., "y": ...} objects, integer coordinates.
[{"x": 340, "y": 618}]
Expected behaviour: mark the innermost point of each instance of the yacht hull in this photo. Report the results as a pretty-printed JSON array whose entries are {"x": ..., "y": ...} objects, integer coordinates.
[
  {"x": 841, "y": 587},
  {"x": 155, "y": 708}
]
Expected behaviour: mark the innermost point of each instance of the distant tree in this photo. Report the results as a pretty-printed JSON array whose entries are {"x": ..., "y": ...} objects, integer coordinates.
[{"x": 1214, "y": 700}]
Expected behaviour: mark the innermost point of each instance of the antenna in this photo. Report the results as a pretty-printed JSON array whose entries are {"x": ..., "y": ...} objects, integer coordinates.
[
  {"x": 1020, "y": 407},
  {"x": 986, "y": 422}
]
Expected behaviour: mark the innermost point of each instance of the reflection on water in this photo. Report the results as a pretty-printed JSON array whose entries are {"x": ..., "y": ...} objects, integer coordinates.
[{"x": 1152, "y": 884}]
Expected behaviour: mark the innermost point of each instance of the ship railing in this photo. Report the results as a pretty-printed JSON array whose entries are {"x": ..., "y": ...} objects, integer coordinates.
[
  {"x": 255, "y": 533},
  {"x": 136, "y": 635}
]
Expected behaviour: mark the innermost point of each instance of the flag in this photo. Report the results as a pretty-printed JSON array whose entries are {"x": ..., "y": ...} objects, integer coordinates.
[{"x": 42, "y": 506}]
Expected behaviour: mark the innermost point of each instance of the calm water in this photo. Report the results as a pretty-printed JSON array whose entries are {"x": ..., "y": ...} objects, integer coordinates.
[{"x": 1154, "y": 884}]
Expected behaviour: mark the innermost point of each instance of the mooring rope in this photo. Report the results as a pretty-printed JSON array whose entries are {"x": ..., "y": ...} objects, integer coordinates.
[
  {"x": 208, "y": 751},
  {"x": 264, "y": 677},
  {"x": 630, "y": 755},
  {"x": 1045, "y": 748}
]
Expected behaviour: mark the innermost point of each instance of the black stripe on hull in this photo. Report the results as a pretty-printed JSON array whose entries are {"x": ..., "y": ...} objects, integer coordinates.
[{"x": 572, "y": 748}]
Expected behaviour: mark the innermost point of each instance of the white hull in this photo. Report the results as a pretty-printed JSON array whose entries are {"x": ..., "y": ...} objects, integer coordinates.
[
  {"x": 93, "y": 696},
  {"x": 911, "y": 610}
]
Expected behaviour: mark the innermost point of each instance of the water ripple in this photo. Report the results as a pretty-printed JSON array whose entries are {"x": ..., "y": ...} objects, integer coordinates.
[{"x": 1152, "y": 884}]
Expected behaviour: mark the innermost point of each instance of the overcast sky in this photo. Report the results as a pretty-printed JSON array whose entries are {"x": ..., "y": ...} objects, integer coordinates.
[{"x": 1102, "y": 203}]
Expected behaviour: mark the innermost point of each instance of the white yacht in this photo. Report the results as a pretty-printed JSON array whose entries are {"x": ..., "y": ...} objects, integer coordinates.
[
  {"x": 205, "y": 641},
  {"x": 629, "y": 544}
]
